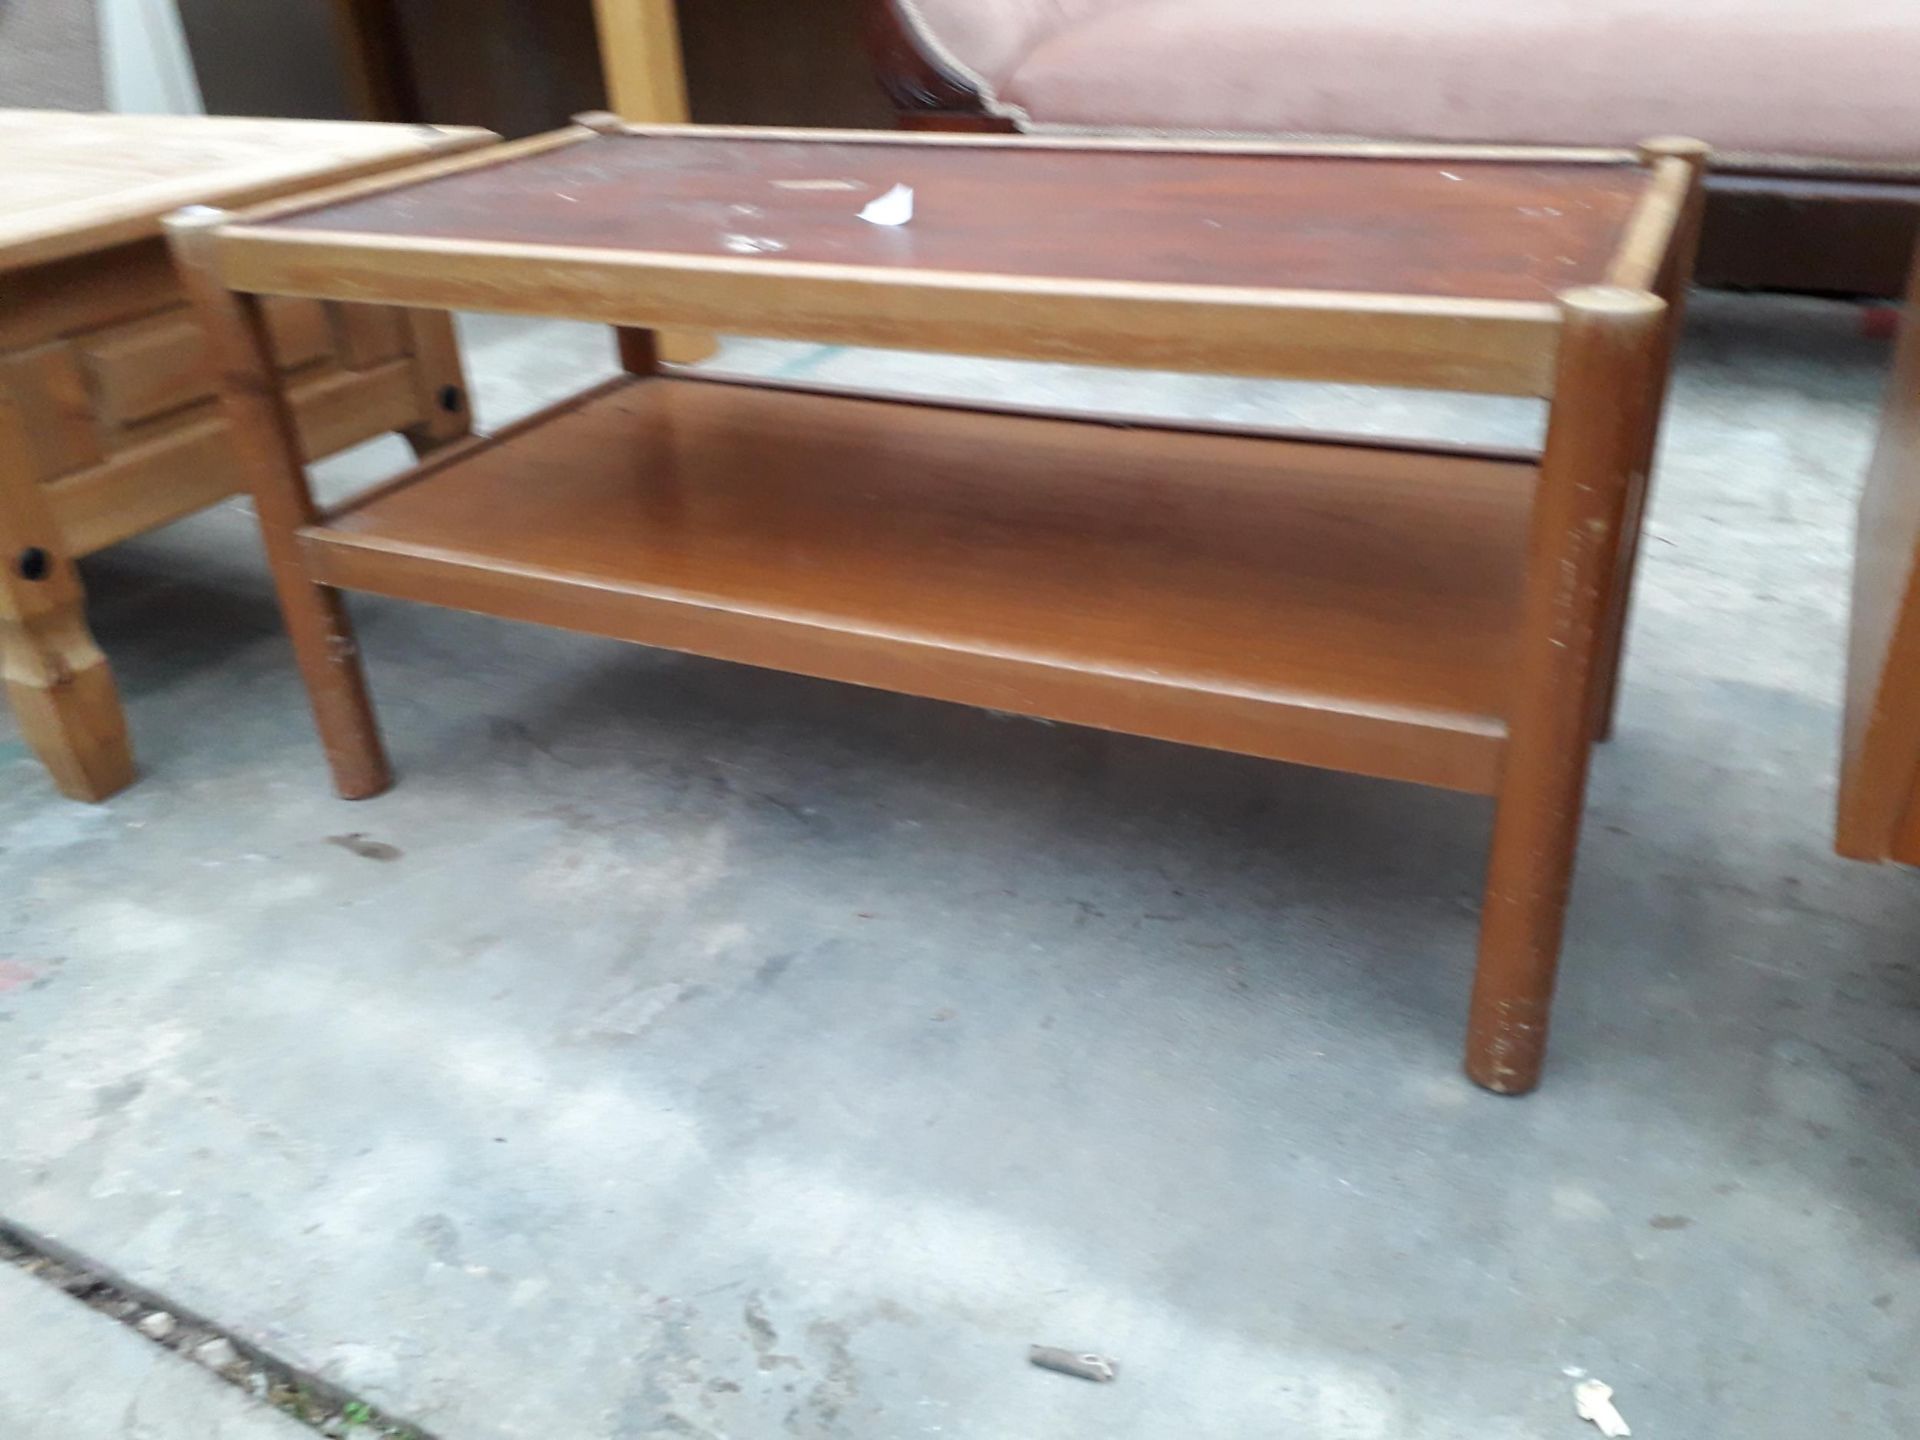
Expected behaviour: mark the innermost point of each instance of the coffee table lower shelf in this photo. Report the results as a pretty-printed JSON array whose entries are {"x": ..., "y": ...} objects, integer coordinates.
[{"x": 1325, "y": 603}]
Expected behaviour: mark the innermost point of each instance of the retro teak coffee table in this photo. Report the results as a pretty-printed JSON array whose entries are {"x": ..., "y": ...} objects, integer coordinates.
[{"x": 1440, "y": 615}]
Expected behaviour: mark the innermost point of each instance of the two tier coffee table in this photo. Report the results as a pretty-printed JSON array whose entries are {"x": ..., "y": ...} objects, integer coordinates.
[{"x": 1440, "y": 615}]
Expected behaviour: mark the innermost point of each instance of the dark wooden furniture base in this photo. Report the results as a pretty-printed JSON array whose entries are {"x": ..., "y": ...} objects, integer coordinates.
[{"x": 1812, "y": 235}]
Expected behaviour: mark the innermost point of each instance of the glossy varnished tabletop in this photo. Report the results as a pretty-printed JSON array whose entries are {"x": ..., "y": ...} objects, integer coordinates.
[
  {"x": 1493, "y": 230},
  {"x": 1388, "y": 265}
]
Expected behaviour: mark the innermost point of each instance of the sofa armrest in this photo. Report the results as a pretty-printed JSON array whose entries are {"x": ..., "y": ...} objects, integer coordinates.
[{"x": 954, "y": 54}]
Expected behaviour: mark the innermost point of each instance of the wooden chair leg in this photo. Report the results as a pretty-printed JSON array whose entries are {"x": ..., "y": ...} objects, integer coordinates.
[
  {"x": 1603, "y": 392},
  {"x": 57, "y": 680},
  {"x": 267, "y": 442},
  {"x": 439, "y": 380}
]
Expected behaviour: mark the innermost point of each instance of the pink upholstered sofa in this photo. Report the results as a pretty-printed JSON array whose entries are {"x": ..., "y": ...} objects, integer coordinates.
[{"x": 1812, "y": 106}]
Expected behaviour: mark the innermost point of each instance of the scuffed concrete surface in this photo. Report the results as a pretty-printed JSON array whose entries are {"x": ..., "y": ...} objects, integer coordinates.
[
  {"x": 70, "y": 1373},
  {"x": 723, "y": 1053}
]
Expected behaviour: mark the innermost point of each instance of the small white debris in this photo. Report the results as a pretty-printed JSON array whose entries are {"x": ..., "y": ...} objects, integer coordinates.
[
  {"x": 893, "y": 208},
  {"x": 1593, "y": 1400},
  {"x": 156, "y": 1326},
  {"x": 1448, "y": 175},
  {"x": 752, "y": 244},
  {"x": 216, "y": 1354},
  {"x": 1072, "y": 1362},
  {"x": 816, "y": 185}
]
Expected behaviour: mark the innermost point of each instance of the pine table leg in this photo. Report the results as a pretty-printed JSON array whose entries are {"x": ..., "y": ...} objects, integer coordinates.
[
  {"x": 439, "y": 380},
  {"x": 57, "y": 680}
]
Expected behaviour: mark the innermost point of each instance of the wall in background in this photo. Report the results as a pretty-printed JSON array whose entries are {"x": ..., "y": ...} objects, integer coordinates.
[
  {"x": 780, "y": 62},
  {"x": 516, "y": 66},
  {"x": 267, "y": 57},
  {"x": 519, "y": 66},
  {"x": 143, "y": 52},
  {"x": 50, "y": 55}
]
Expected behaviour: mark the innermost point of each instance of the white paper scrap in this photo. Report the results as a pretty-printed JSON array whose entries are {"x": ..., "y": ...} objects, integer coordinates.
[
  {"x": 1593, "y": 1400},
  {"x": 893, "y": 208}
]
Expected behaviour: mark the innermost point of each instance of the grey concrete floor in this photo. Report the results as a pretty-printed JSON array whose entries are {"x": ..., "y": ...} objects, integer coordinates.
[
  {"x": 71, "y": 1372},
  {"x": 722, "y": 1053}
]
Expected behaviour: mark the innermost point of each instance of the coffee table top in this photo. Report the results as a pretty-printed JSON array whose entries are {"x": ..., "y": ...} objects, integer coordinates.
[
  {"x": 78, "y": 182},
  {"x": 1495, "y": 230},
  {"x": 1417, "y": 265}
]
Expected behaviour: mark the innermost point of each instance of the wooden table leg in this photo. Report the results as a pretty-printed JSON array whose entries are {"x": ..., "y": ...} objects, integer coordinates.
[
  {"x": 267, "y": 442},
  {"x": 58, "y": 681},
  {"x": 440, "y": 381},
  {"x": 1604, "y": 389},
  {"x": 1673, "y": 289},
  {"x": 640, "y": 57},
  {"x": 639, "y": 349}
]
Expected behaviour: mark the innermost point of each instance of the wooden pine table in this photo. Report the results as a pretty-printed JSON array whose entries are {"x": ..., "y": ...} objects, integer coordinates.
[
  {"x": 1441, "y": 615},
  {"x": 109, "y": 424}
]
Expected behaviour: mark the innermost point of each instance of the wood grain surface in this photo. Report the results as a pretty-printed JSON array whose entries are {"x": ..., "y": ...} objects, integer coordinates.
[
  {"x": 1434, "y": 227},
  {"x": 74, "y": 183},
  {"x": 1328, "y": 604},
  {"x": 56, "y": 679}
]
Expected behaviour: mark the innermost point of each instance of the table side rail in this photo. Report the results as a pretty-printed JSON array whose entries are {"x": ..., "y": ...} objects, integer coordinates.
[
  {"x": 1445, "y": 750},
  {"x": 478, "y": 154},
  {"x": 1126, "y": 420},
  {"x": 1484, "y": 346},
  {"x": 1175, "y": 144}
]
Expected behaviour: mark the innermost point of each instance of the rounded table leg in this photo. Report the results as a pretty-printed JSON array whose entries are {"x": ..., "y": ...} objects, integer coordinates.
[{"x": 1604, "y": 390}]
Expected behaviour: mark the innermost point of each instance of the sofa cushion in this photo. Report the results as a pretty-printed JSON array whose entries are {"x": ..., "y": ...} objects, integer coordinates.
[{"x": 1764, "y": 78}]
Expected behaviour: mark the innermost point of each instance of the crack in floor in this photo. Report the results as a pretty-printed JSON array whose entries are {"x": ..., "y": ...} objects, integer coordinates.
[{"x": 304, "y": 1396}]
